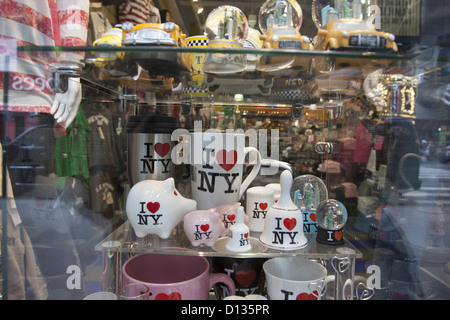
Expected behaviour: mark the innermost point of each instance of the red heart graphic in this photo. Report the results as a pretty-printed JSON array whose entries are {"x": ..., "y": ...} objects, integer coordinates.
[
  {"x": 175, "y": 193},
  {"x": 231, "y": 217},
  {"x": 204, "y": 227},
  {"x": 245, "y": 278},
  {"x": 153, "y": 206},
  {"x": 338, "y": 235},
  {"x": 246, "y": 235},
  {"x": 172, "y": 296},
  {"x": 312, "y": 216},
  {"x": 263, "y": 206},
  {"x": 226, "y": 159},
  {"x": 307, "y": 296},
  {"x": 162, "y": 148},
  {"x": 290, "y": 223}
]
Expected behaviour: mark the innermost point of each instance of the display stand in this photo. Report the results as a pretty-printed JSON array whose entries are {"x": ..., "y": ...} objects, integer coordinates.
[{"x": 122, "y": 244}]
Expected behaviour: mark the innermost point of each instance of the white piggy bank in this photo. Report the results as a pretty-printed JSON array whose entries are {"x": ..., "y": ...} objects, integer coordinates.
[
  {"x": 156, "y": 207},
  {"x": 228, "y": 216},
  {"x": 203, "y": 227}
]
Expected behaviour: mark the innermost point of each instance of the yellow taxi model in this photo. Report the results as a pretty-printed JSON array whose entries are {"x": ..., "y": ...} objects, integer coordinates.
[
  {"x": 282, "y": 37},
  {"x": 112, "y": 38},
  {"x": 168, "y": 34},
  {"x": 350, "y": 35}
]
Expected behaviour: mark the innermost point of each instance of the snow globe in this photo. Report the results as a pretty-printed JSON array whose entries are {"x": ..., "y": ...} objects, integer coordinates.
[
  {"x": 331, "y": 217},
  {"x": 280, "y": 22},
  {"x": 226, "y": 27},
  {"x": 308, "y": 192}
]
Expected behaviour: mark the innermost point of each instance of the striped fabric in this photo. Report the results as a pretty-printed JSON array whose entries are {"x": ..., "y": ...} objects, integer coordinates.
[
  {"x": 135, "y": 11},
  {"x": 40, "y": 23}
]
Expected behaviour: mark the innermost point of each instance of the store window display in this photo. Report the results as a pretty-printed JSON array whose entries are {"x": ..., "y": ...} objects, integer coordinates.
[
  {"x": 68, "y": 167},
  {"x": 38, "y": 106}
]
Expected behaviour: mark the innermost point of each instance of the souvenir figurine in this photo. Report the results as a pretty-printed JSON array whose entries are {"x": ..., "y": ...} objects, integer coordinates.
[
  {"x": 239, "y": 238},
  {"x": 111, "y": 38},
  {"x": 203, "y": 227},
  {"x": 156, "y": 207},
  {"x": 167, "y": 34},
  {"x": 283, "y": 227},
  {"x": 228, "y": 216},
  {"x": 349, "y": 35}
]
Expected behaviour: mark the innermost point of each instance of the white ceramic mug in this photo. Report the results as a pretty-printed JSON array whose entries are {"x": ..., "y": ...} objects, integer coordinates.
[
  {"x": 295, "y": 279},
  {"x": 217, "y": 163},
  {"x": 258, "y": 201}
]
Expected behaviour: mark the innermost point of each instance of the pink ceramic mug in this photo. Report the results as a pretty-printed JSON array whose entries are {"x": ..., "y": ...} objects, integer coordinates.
[{"x": 174, "y": 277}]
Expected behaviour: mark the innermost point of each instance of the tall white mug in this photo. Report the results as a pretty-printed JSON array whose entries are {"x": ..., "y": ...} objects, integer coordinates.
[{"x": 217, "y": 164}]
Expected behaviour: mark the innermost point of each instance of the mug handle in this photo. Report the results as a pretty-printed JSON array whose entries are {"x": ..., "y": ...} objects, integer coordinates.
[
  {"x": 276, "y": 163},
  {"x": 322, "y": 285},
  {"x": 252, "y": 175},
  {"x": 348, "y": 286},
  {"x": 222, "y": 278}
]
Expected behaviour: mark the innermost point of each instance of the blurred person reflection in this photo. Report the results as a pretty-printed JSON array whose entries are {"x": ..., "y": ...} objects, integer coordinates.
[{"x": 33, "y": 106}]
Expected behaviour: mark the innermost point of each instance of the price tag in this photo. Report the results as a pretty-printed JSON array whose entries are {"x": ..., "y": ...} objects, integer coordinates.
[{"x": 8, "y": 54}]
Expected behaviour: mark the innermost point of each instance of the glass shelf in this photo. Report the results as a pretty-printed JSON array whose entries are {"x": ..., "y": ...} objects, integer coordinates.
[
  {"x": 123, "y": 240},
  {"x": 285, "y": 52}
]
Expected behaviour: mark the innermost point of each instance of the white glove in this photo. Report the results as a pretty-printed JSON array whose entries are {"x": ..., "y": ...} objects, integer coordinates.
[{"x": 65, "y": 106}]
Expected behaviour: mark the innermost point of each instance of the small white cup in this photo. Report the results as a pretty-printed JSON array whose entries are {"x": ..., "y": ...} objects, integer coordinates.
[
  {"x": 276, "y": 188},
  {"x": 258, "y": 201}
]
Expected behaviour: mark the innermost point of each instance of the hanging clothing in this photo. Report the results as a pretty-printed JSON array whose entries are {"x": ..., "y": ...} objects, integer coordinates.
[
  {"x": 40, "y": 23},
  {"x": 98, "y": 26},
  {"x": 101, "y": 147},
  {"x": 23, "y": 270},
  {"x": 363, "y": 144},
  {"x": 137, "y": 12},
  {"x": 71, "y": 149}
]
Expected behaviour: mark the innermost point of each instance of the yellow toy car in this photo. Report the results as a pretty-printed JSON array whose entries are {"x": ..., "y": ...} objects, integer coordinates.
[
  {"x": 283, "y": 37},
  {"x": 112, "y": 38},
  {"x": 350, "y": 35},
  {"x": 354, "y": 35},
  {"x": 168, "y": 34}
]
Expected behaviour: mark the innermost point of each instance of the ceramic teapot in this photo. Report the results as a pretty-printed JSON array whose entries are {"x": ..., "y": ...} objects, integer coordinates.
[
  {"x": 283, "y": 227},
  {"x": 156, "y": 207}
]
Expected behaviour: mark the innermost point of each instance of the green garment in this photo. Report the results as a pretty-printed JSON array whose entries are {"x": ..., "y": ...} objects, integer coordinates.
[{"x": 71, "y": 149}]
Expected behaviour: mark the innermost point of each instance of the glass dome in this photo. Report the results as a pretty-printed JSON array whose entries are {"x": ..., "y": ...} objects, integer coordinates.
[
  {"x": 308, "y": 192},
  {"x": 327, "y": 10},
  {"x": 331, "y": 215},
  {"x": 226, "y": 23},
  {"x": 276, "y": 13}
]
